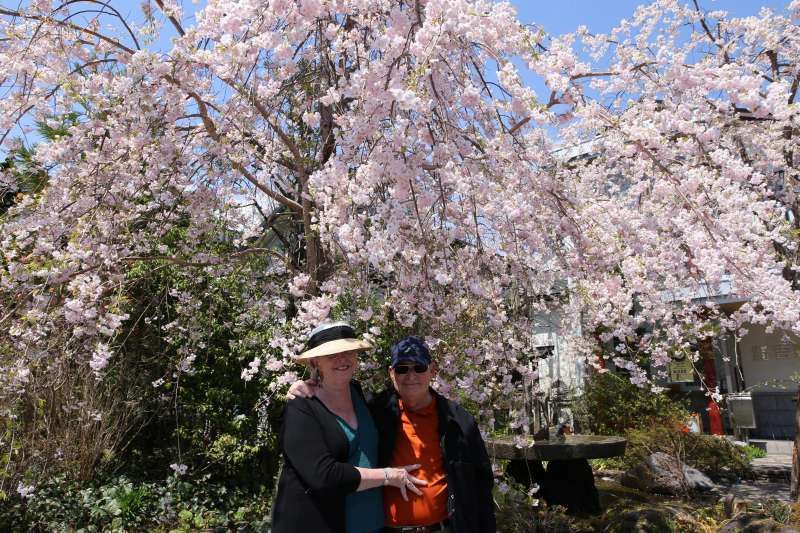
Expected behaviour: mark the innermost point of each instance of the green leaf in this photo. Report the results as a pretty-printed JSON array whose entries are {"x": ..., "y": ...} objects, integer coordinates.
[{"x": 185, "y": 515}]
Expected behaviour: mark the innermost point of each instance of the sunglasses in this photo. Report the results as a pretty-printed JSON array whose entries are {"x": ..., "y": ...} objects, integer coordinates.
[{"x": 405, "y": 369}]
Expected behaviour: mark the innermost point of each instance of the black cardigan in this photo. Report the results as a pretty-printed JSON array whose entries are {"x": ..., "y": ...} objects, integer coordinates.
[{"x": 316, "y": 476}]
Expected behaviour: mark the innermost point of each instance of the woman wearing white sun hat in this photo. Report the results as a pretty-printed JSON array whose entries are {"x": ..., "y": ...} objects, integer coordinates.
[{"x": 330, "y": 447}]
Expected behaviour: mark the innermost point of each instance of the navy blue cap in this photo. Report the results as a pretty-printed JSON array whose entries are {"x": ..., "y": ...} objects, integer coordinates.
[{"x": 410, "y": 349}]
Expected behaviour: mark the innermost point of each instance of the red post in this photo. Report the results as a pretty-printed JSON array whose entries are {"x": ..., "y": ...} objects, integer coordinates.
[{"x": 710, "y": 380}]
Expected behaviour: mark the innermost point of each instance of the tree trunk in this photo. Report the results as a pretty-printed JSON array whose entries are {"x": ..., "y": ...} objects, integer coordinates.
[{"x": 795, "y": 485}]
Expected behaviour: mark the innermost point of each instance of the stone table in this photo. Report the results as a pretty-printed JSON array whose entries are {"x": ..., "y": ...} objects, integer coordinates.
[{"x": 568, "y": 479}]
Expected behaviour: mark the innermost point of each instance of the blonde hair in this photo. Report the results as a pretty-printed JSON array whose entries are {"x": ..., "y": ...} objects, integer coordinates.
[{"x": 316, "y": 374}]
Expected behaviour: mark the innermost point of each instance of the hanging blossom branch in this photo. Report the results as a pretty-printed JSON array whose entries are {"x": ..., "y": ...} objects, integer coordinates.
[{"x": 414, "y": 176}]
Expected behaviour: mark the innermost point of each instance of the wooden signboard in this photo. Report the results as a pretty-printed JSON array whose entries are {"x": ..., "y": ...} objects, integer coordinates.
[{"x": 680, "y": 371}]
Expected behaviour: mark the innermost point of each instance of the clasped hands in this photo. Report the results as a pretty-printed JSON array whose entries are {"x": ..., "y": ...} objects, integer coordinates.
[{"x": 400, "y": 478}]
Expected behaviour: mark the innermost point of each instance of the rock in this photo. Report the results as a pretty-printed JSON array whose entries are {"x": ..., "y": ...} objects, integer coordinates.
[
  {"x": 640, "y": 521},
  {"x": 653, "y": 519},
  {"x": 696, "y": 480},
  {"x": 754, "y": 524},
  {"x": 664, "y": 474},
  {"x": 733, "y": 505},
  {"x": 638, "y": 477}
]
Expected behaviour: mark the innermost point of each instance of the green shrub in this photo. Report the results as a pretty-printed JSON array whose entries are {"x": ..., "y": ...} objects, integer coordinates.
[
  {"x": 656, "y": 517},
  {"x": 777, "y": 510},
  {"x": 611, "y": 405},
  {"x": 206, "y": 417},
  {"x": 715, "y": 456},
  {"x": 521, "y": 512},
  {"x": 124, "y": 505},
  {"x": 172, "y": 393},
  {"x": 754, "y": 452},
  {"x": 653, "y": 422}
]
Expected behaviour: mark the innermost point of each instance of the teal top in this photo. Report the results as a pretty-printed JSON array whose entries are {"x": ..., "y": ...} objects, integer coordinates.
[{"x": 363, "y": 510}]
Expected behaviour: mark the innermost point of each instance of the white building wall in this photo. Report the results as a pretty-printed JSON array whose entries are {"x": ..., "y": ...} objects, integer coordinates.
[
  {"x": 770, "y": 362},
  {"x": 561, "y": 366}
]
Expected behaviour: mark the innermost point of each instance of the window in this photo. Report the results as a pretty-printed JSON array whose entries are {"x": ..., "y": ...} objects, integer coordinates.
[{"x": 545, "y": 351}]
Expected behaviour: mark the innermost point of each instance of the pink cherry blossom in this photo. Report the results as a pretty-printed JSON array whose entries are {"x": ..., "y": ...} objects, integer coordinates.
[{"x": 385, "y": 163}]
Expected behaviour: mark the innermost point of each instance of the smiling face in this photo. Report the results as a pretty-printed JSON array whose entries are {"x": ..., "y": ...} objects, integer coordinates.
[
  {"x": 336, "y": 369},
  {"x": 411, "y": 386}
]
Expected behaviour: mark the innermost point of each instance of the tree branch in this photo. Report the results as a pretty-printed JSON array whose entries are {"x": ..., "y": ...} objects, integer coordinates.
[
  {"x": 69, "y": 25},
  {"x": 175, "y": 22}
]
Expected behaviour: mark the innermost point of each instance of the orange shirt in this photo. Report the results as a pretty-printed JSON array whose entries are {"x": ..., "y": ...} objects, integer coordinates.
[{"x": 417, "y": 442}]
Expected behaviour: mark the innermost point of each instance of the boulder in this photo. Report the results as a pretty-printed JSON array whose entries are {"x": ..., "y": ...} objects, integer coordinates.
[{"x": 663, "y": 474}]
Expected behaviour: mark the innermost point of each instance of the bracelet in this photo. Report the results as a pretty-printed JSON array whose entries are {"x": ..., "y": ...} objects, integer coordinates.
[{"x": 385, "y": 476}]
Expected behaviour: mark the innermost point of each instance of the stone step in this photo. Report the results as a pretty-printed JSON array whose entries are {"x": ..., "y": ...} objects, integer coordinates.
[
  {"x": 773, "y": 468},
  {"x": 773, "y": 447}
]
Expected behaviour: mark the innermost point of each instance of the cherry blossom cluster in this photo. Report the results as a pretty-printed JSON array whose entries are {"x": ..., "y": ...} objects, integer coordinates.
[
  {"x": 392, "y": 166},
  {"x": 683, "y": 167}
]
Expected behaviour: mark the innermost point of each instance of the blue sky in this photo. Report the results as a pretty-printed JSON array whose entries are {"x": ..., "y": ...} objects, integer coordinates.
[
  {"x": 562, "y": 16},
  {"x": 556, "y": 17},
  {"x": 559, "y": 17},
  {"x": 600, "y": 16}
]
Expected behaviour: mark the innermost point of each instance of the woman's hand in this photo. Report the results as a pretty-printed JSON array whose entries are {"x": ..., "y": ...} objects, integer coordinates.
[
  {"x": 400, "y": 478},
  {"x": 302, "y": 389}
]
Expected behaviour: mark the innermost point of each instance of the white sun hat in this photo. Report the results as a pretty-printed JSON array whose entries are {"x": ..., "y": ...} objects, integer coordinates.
[{"x": 331, "y": 338}]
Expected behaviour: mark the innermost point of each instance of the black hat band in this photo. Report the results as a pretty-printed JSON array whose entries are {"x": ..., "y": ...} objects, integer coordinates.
[{"x": 330, "y": 334}]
